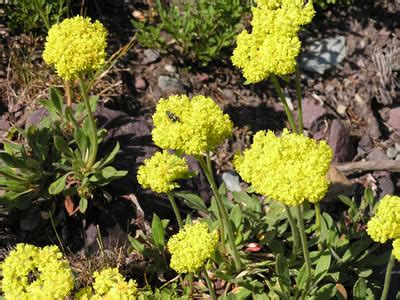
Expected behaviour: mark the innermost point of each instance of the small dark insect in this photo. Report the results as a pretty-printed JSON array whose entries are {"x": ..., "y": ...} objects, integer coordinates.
[{"x": 172, "y": 116}]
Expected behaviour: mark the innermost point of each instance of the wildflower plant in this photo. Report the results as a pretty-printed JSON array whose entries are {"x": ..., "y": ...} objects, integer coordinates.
[
  {"x": 384, "y": 226},
  {"x": 68, "y": 139},
  {"x": 30, "y": 272}
]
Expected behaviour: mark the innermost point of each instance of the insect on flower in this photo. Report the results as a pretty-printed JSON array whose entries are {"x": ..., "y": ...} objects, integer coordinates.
[{"x": 172, "y": 116}]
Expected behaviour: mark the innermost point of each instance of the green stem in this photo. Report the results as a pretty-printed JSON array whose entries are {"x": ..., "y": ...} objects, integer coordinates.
[
  {"x": 93, "y": 130},
  {"x": 388, "y": 276},
  {"x": 191, "y": 285},
  {"x": 317, "y": 218},
  {"x": 209, "y": 284},
  {"x": 176, "y": 209},
  {"x": 223, "y": 212},
  {"x": 299, "y": 101},
  {"x": 300, "y": 221},
  {"x": 295, "y": 232},
  {"x": 281, "y": 95},
  {"x": 205, "y": 166}
]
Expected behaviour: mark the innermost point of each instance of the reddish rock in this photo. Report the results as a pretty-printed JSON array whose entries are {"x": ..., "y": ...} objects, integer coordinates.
[
  {"x": 312, "y": 112},
  {"x": 339, "y": 140},
  {"x": 394, "y": 119}
]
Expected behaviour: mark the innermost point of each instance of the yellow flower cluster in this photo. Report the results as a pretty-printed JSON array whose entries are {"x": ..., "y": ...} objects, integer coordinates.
[
  {"x": 110, "y": 284},
  {"x": 31, "y": 272},
  {"x": 290, "y": 169},
  {"x": 385, "y": 224},
  {"x": 273, "y": 45},
  {"x": 74, "y": 46},
  {"x": 396, "y": 249},
  {"x": 191, "y": 247},
  {"x": 193, "y": 126},
  {"x": 161, "y": 170}
]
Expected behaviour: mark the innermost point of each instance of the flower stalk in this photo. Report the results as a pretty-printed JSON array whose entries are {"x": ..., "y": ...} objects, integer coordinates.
[
  {"x": 300, "y": 222},
  {"x": 225, "y": 223},
  {"x": 388, "y": 276},
  {"x": 176, "y": 209},
  {"x": 93, "y": 128}
]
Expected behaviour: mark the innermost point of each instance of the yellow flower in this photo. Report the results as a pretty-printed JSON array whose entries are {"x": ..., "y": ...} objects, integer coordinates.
[
  {"x": 85, "y": 293},
  {"x": 191, "y": 247},
  {"x": 290, "y": 169},
  {"x": 386, "y": 222},
  {"x": 74, "y": 46},
  {"x": 31, "y": 272},
  {"x": 396, "y": 249},
  {"x": 161, "y": 170},
  {"x": 273, "y": 45},
  {"x": 110, "y": 284},
  {"x": 192, "y": 126}
]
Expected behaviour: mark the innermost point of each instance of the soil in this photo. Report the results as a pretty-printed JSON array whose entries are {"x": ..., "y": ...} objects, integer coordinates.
[{"x": 352, "y": 105}]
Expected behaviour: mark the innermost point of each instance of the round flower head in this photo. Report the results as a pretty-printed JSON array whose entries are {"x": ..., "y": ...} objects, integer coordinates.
[
  {"x": 110, "y": 284},
  {"x": 193, "y": 126},
  {"x": 191, "y": 247},
  {"x": 273, "y": 45},
  {"x": 396, "y": 249},
  {"x": 291, "y": 168},
  {"x": 31, "y": 272},
  {"x": 386, "y": 222},
  {"x": 161, "y": 170},
  {"x": 74, "y": 46}
]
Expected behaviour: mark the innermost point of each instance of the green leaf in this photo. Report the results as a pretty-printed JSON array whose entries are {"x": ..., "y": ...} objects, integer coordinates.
[
  {"x": 58, "y": 186},
  {"x": 157, "y": 232},
  {"x": 360, "y": 289},
  {"x": 323, "y": 264},
  {"x": 56, "y": 98},
  {"x": 109, "y": 158},
  {"x": 236, "y": 216},
  {"x": 62, "y": 146},
  {"x": 282, "y": 271},
  {"x": 327, "y": 291},
  {"x": 251, "y": 203},
  {"x": 355, "y": 249},
  {"x": 192, "y": 200},
  {"x": 346, "y": 200},
  {"x": 108, "y": 172},
  {"x": 301, "y": 278},
  {"x": 83, "y": 204},
  {"x": 138, "y": 246}
]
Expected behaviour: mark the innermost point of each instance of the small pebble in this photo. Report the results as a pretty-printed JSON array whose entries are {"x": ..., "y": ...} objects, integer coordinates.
[{"x": 391, "y": 152}]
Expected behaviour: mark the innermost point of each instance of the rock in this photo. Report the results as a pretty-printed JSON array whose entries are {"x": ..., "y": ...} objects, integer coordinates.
[
  {"x": 150, "y": 56},
  {"x": 229, "y": 94},
  {"x": 364, "y": 145},
  {"x": 140, "y": 84},
  {"x": 376, "y": 155},
  {"x": 323, "y": 54},
  {"x": 391, "y": 152},
  {"x": 394, "y": 119},
  {"x": 339, "y": 140},
  {"x": 384, "y": 183},
  {"x": 341, "y": 109},
  {"x": 170, "y": 85},
  {"x": 231, "y": 180},
  {"x": 312, "y": 112},
  {"x": 36, "y": 117},
  {"x": 397, "y": 146},
  {"x": 170, "y": 68}
]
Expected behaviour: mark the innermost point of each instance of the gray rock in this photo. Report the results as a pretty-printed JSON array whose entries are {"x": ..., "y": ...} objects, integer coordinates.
[
  {"x": 391, "y": 152},
  {"x": 150, "y": 56},
  {"x": 231, "y": 180},
  {"x": 377, "y": 155},
  {"x": 323, "y": 54},
  {"x": 394, "y": 119},
  {"x": 170, "y": 85},
  {"x": 170, "y": 68},
  {"x": 384, "y": 183},
  {"x": 339, "y": 140},
  {"x": 312, "y": 112}
]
